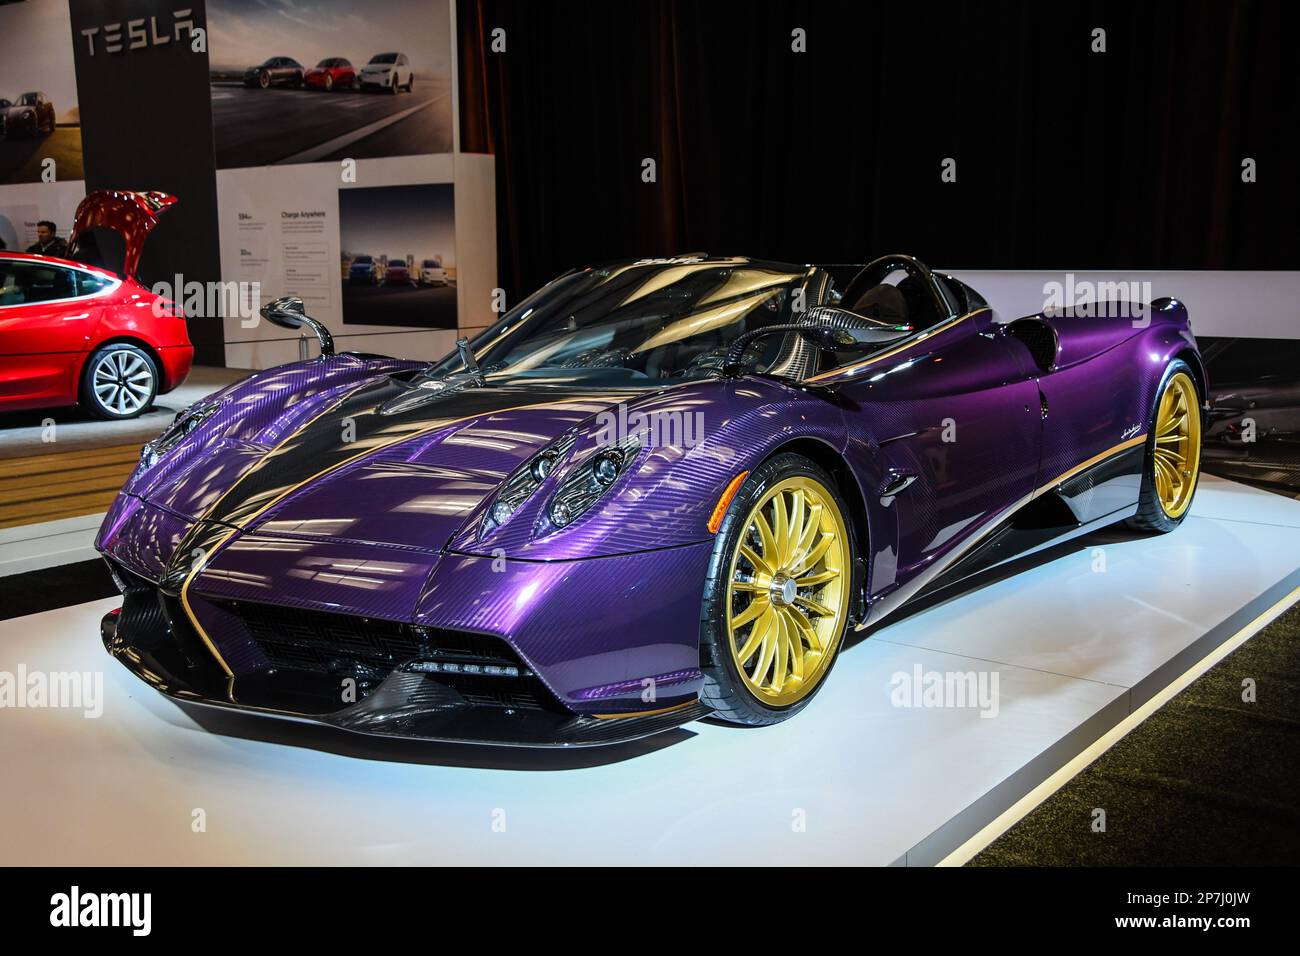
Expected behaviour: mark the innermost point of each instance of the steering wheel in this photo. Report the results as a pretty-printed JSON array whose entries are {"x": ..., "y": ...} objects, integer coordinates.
[{"x": 876, "y": 271}]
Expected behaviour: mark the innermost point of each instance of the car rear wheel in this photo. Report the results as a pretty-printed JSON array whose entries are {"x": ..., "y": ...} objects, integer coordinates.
[
  {"x": 119, "y": 381},
  {"x": 777, "y": 597},
  {"x": 1173, "y": 453},
  {"x": 329, "y": 83}
]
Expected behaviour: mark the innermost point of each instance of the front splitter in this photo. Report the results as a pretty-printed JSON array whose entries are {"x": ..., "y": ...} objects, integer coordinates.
[{"x": 406, "y": 704}]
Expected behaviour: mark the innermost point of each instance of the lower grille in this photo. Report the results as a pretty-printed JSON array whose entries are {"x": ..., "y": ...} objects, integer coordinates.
[{"x": 485, "y": 671}]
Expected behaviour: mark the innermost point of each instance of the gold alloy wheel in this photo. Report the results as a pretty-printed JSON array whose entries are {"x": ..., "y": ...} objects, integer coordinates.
[
  {"x": 1178, "y": 445},
  {"x": 788, "y": 591}
]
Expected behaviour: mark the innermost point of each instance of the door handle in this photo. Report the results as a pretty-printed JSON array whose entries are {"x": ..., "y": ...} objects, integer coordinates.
[{"x": 895, "y": 483}]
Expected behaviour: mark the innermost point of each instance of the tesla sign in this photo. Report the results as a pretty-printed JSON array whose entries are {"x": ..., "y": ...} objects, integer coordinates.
[{"x": 138, "y": 33}]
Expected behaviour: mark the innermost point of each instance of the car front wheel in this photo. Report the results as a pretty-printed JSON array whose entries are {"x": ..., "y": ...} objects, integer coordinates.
[
  {"x": 778, "y": 593},
  {"x": 119, "y": 381}
]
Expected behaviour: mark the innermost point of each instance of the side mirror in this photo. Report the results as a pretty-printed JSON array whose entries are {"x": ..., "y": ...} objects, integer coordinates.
[{"x": 288, "y": 313}]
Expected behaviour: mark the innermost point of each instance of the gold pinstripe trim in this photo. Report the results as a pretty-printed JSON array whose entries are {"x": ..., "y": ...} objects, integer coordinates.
[
  {"x": 189, "y": 612},
  {"x": 927, "y": 334},
  {"x": 1113, "y": 450},
  {"x": 185, "y": 585},
  {"x": 202, "y": 565}
]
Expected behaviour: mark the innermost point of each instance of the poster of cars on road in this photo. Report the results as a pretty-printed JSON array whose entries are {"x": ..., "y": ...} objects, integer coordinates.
[
  {"x": 329, "y": 80},
  {"x": 41, "y": 168},
  {"x": 353, "y": 102},
  {"x": 398, "y": 254},
  {"x": 40, "y": 130}
]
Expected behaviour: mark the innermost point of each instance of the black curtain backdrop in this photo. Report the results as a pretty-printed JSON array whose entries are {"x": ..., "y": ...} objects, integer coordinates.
[{"x": 1066, "y": 159}]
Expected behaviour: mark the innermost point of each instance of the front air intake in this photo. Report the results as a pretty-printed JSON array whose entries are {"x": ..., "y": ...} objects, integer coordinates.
[{"x": 483, "y": 669}]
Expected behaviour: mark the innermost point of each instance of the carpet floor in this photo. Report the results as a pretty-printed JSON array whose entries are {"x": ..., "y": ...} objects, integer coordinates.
[{"x": 1209, "y": 779}]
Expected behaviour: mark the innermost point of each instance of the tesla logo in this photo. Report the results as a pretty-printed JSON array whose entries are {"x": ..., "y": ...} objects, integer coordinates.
[{"x": 137, "y": 34}]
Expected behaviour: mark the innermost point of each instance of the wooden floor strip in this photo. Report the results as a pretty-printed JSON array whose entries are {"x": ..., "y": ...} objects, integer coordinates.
[
  {"x": 68, "y": 461},
  {"x": 63, "y": 484}
]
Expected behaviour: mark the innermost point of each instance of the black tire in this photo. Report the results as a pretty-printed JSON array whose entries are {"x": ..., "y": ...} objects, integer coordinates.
[
  {"x": 100, "y": 406},
  {"x": 1151, "y": 514},
  {"x": 392, "y": 86},
  {"x": 264, "y": 80},
  {"x": 725, "y": 691},
  {"x": 410, "y": 84}
]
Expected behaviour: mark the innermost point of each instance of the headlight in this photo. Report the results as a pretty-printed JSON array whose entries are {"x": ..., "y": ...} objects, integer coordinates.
[
  {"x": 185, "y": 422},
  {"x": 586, "y": 485},
  {"x": 523, "y": 481}
]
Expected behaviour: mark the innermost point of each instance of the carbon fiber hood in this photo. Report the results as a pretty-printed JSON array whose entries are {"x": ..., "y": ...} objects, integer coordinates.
[{"x": 385, "y": 464}]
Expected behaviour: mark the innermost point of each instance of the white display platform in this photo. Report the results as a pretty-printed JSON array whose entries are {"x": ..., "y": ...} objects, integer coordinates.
[
  {"x": 34, "y": 547},
  {"x": 853, "y": 779}
]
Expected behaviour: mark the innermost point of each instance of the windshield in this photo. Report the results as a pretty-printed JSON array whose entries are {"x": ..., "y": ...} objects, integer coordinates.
[
  {"x": 28, "y": 99},
  {"x": 385, "y": 58},
  {"x": 649, "y": 322},
  {"x": 361, "y": 261},
  {"x": 396, "y": 262},
  {"x": 431, "y": 264}
]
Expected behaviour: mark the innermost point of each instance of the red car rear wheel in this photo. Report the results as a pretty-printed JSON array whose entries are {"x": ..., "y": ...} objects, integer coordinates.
[{"x": 119, "y": 381}]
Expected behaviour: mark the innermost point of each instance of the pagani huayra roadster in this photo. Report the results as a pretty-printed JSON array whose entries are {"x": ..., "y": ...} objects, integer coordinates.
[{"x": 654, "y": 491}]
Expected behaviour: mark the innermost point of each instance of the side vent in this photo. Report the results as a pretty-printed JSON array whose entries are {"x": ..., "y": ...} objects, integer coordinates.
[{"x": 1039, "y": 338}]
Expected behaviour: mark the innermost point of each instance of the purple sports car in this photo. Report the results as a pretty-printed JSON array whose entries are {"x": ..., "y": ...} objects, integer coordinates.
[{"x": 654, "y": 491}]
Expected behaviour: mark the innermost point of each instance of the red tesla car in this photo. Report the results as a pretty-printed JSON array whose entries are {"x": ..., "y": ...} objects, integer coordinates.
[
  {"x": 75, "y": 333},
  {"x": 332, "y": 73},
  {"x": 397, "y": 271}
]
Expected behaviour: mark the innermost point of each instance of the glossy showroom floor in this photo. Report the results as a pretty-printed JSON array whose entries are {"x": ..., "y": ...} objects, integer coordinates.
[{"x": 1074, "y": 651}]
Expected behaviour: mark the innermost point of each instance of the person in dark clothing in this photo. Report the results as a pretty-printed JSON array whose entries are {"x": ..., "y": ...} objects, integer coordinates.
[{"x": 47, "y": 241}]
